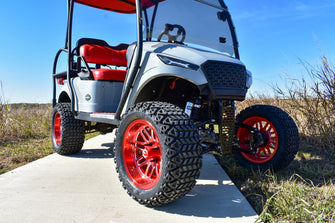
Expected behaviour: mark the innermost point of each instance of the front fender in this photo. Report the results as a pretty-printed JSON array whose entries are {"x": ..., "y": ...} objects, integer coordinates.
[{"x": 153, "y": 67}]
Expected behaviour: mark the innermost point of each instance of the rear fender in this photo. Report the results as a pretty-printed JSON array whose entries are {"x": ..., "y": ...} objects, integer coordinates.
[{"x": 64, "y": 94}]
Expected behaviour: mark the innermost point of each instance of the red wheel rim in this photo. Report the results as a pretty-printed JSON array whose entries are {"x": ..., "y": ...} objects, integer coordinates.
[
  {"x": 265, "y": 153},
  {"x": 57, "y": 129},
  {"x": 142, "y": 154}
]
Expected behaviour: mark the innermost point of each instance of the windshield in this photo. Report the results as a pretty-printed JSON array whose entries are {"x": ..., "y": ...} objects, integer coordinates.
[{"x": 203, "y": 20}]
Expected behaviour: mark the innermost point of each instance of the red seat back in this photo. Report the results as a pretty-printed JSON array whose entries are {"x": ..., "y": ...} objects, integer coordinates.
[{"x": 103, "y": 55}]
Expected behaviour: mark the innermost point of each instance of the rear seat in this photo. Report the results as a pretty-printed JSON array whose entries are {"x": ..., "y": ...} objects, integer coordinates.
[{"x": 99, "y": 52}]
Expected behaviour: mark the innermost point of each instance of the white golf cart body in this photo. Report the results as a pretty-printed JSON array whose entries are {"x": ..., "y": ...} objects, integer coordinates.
[
  {"x": 93, "y": 98},
  {"x": 171, "y": 95}
]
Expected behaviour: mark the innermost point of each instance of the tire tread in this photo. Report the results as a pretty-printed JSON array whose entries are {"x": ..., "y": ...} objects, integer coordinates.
[
  {"x": 183, "y": 153},
  {"x": 73, "y": 131},
  {"x": 289, "y": 141}
]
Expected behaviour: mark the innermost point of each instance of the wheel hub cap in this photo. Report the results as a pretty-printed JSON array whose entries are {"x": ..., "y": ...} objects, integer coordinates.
[
  {"x": 142, "y": 154},
  {"x": 57, "y": 129},
  {"x": 268, "y": 148}
]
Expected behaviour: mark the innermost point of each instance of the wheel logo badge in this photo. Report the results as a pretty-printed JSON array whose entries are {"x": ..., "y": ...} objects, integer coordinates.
[{"x": 145, "y": 153}]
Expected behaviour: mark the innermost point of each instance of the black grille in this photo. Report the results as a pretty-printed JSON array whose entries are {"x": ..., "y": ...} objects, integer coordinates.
[{"x": 225, "y": 75}]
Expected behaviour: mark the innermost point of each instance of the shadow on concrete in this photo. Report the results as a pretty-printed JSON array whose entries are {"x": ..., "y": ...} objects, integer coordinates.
[
  {"x": 211, "y": 197},
  {"x": 99, "y": 153},
  {"x": 209, "y": 200}
]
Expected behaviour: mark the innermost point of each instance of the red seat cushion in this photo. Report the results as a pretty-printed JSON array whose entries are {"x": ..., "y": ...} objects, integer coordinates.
[
  {"x": 103, "y": 55},
  {"x": 109, "y": 74}
]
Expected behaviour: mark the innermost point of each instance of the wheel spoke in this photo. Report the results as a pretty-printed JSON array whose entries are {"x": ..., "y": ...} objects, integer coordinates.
[
  {"x": 147, "y": 134},
  {"x": 144, "y": 137},
  {"x": 260, "y": 152},
  {"x": 261, "y": 126},
  {"x": 266, "y": 127},
  {"x": 267, "y": 151},
  {"x": 139, "y": 142},
  {"x": 136, "y": 148},
  {"x": 157, "y": 169},
  {"x": 148, "y": 170},
  {"x": 141, "y": 161},
  {"x": 273, "y": 138},
  {"x": 153, "y": 136},
  {"x": 152, "y": 171}
]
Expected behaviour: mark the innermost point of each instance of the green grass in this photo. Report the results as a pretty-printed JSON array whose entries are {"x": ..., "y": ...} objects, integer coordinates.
[
  {"x": 15, "y": 154},
  {"x": 299, "y": 200},
  {"x": 303, "y": 192}
]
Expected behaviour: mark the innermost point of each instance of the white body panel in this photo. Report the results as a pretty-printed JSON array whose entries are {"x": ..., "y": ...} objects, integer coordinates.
[
  {"x": 105, "y": 99},
  {"x": 152, "y": 67}
]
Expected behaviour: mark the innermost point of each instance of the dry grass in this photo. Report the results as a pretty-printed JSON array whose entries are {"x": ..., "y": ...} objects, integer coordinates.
[
  {"x": 296, "y": 194},
  {"x": 312, "y": 104},
  {"x": 24, "y": 121},
  {"x": 24, "y": 134}
]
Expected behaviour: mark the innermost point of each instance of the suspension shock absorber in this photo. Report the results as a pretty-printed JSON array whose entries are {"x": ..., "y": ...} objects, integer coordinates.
[
  {"x": 193, "y": 109},
  {"x": 226, "y": 125}
]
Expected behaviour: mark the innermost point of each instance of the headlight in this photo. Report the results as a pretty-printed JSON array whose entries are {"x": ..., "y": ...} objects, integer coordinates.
[
  {"x": 249, "y": 79},
  {"x": 176, "y": 62}
]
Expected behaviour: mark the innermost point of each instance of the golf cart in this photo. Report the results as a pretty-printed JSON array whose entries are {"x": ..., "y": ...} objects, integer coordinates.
[{"x": 170, "y": 95}]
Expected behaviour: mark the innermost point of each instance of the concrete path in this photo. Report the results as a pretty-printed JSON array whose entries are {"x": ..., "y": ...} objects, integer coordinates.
[{"x": 85, "y": 188}]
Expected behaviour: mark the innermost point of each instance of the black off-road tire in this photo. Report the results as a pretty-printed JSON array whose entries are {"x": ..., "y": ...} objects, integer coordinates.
[
  {"x": 67, "y": 133},
  {"x": 287, "y": 137},
  {"x": 180, "y": 152}
]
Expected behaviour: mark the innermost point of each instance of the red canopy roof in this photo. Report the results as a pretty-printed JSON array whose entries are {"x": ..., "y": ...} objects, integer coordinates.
[{"x": 122, "y": 6}]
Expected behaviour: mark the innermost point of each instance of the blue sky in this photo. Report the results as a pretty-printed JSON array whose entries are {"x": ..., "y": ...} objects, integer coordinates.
[{"x": 273, "y": 36}]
